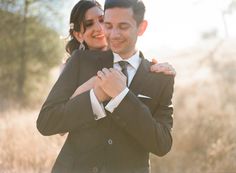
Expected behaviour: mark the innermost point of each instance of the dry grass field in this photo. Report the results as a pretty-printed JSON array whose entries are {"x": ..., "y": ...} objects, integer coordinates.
[
  {"x": 204, "y": 120},
  {"x": 22, "y": 148}
]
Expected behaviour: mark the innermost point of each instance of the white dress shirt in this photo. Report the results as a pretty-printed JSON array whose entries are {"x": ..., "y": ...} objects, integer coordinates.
[{"x": 98, "y": 108}]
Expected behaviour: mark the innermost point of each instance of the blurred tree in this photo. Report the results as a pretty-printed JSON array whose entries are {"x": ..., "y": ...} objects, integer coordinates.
[
  {"x": 232, "y": 7},
  {"x": 227, "y": 10},
  {"x": 29, "y": 48},
  {"x": 213, "y": 33}
]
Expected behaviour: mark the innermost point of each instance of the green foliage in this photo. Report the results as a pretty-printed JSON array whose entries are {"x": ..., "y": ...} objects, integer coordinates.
[{"x": 38, "y": 46}]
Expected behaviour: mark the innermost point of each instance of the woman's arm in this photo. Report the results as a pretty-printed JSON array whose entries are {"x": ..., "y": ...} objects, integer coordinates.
[
  {"x": 59, "y": 113},
  {"x": 88, "y": 85}
]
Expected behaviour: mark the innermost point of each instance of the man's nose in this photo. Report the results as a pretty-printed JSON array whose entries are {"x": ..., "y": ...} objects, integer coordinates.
[{"x": 114, "y": 33}]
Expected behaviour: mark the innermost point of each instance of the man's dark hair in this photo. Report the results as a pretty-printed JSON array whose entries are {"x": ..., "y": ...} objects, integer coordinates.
[{"x": 137, "y": 6}]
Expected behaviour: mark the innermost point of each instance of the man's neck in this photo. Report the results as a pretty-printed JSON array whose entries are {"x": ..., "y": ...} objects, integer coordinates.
[{"x": 128, "y": 55}]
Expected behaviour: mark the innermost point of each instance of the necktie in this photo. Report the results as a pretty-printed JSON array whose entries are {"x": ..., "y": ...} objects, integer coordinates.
[{"x": 124, "y": 65}]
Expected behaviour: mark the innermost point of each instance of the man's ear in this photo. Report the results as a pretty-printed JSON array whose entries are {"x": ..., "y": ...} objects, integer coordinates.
[
  {"x": 78, "y": 36},
  {"x": 142, "y": 27}
]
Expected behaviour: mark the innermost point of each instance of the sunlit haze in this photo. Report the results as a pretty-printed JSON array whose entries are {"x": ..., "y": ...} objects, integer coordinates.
[{"x": 174, "y": 25}]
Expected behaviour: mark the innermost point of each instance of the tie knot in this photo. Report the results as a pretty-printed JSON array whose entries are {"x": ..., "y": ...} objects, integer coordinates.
[{"x": 123, "y": 64}]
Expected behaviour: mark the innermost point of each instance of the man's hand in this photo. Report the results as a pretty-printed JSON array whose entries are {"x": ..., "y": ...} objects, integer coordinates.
[
  {"x": 112, "y": 81},
  {"x": 98, "y": 91}
]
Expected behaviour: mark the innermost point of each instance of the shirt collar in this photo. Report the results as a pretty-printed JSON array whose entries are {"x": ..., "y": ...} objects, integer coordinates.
[{"x": 134, "y": 60}]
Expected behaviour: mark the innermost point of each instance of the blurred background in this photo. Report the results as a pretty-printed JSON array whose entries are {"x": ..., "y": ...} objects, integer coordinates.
[{"x": 198, "y": 37}]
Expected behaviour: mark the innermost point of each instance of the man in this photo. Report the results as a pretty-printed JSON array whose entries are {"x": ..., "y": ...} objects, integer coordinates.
[{"x": 114, "y": 126}]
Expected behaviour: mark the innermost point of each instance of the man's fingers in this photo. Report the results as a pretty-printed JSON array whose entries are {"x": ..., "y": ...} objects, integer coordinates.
[
  {"x": 106, "y": 71},
  {"x": 116, "y": 72},
  {"x": 100, "y": 74},
  {"x": 112, "y": 70}
]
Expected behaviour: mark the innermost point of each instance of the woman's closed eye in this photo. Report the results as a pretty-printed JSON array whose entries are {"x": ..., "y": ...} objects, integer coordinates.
[{"x": 88, "y": 23}]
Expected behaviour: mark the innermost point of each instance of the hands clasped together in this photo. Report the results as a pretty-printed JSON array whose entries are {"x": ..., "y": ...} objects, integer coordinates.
[{"x": 108, "y": 83}]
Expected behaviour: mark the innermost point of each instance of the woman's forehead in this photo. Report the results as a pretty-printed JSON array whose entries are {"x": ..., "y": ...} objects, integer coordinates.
[{"x": 93, "y": 13}]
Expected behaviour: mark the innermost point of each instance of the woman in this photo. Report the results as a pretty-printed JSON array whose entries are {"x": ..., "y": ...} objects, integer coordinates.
[
  {"x": 86, "y": 33},
  {"x": 86, "y": 30}
]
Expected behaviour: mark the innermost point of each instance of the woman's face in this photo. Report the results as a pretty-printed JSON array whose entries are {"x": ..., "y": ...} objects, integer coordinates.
[{"x": 94, "y": 34}]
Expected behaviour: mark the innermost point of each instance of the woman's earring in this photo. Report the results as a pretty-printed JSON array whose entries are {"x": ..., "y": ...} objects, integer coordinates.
[{"x": 82, "y": 46}]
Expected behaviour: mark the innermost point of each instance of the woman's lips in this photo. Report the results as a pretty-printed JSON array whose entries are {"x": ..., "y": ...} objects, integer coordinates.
[{"x": 99, "y": 36}]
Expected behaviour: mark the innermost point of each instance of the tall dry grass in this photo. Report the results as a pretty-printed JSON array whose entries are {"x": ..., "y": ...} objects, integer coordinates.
[
  {"x": 204, "y": 121},
  {"x": 22, "y": 148},
  {"x": 204, "y": 114}
]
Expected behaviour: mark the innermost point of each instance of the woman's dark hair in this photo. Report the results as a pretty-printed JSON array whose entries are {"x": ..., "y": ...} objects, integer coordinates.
[{"x": 77, "y": 19}]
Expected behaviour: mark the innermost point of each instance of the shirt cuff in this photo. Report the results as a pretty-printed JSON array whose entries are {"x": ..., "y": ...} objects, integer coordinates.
[
  {"x": 114, "y": 103},
  {"x": 98, "y": 108}
]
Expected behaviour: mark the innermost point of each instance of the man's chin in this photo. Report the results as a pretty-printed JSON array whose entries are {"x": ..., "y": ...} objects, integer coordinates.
[{"x": 115, "y": 49}]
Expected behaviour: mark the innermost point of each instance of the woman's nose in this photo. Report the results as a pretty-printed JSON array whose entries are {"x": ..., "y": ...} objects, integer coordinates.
[{"x": 98, "y": 26}]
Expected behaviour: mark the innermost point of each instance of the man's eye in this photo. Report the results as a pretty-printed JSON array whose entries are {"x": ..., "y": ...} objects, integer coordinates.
[
  {"x": 107, "y": 26},
  {"x": 124, "y": 27}
]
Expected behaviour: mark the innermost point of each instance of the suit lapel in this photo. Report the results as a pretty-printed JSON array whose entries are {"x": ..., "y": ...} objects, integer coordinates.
[{"x": 141, "y": 77}]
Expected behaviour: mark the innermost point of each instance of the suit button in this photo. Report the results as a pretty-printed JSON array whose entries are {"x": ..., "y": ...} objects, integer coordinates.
[
  {"x": 95, "y": 169},
  {"x": 110, "y": 141}
]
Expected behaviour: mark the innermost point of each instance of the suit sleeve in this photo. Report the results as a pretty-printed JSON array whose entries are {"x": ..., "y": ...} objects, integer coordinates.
[
  {"x": 59, "y": 114},
  {"x": 152, "y": 130}
]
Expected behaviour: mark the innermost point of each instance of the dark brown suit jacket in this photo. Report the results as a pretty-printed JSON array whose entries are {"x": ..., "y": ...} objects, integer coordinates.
[{"x": 120, "y": 142}]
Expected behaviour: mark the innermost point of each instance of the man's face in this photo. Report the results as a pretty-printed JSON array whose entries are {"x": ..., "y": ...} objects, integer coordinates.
[{"x": 121, "y": 31}]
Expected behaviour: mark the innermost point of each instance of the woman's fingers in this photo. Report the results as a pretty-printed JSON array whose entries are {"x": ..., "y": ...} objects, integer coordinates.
[
  {"x": 154, "y": 61},
  {"x": 166, "y": 68}
]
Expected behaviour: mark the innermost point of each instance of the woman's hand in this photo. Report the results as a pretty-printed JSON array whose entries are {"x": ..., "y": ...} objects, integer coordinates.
[
  {"x": 88, "y": 85},
  {"x": 165, "y": 68}
]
